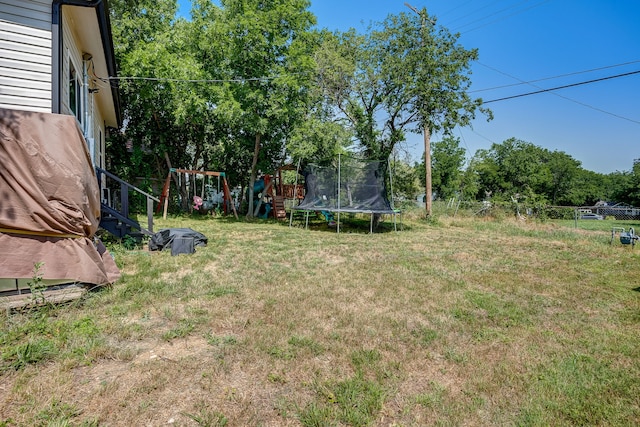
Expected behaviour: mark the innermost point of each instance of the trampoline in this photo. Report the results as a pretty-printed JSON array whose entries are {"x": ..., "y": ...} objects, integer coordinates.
[{"x": 350, "y": 185}]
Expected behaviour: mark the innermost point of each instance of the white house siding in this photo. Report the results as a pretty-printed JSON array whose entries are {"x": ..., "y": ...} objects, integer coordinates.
[
  {"x": 26, "y": 63},
  {"x": 72, "y": 53},
  {"x": 25, "y": 55}
]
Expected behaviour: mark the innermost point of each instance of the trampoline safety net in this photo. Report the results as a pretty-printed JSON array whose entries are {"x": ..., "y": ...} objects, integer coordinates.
[{"x": 352, "y": 185}]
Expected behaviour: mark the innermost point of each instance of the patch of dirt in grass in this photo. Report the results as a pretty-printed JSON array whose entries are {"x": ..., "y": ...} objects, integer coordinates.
[
  {"x": 334, "y": 259},
  {"x": 156, "y": 386},
  {"x": 148, "y": 351},
  {"x": 422, "y": 396},
  {"x": 465, "y": 259},
  {"x": 175, "y": 275},
  {"x": 168, "y": 384},
  {"x": 427, "y": 371},
  {"x": 253, "y": 236}
]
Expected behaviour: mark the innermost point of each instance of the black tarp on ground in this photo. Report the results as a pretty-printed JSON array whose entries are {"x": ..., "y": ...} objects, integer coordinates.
[{"x": 177, "y": 240}]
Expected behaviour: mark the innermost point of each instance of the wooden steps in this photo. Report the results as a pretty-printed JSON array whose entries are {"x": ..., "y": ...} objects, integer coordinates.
[
  {"x": 55, "y": 295},
  {"x": 278, "y": 208}
]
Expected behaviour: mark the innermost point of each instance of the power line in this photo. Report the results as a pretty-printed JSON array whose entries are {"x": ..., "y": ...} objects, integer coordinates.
[
  {"x": 563, "y": 87},
  {"x": 467, "y": 157},
  {"x": 597, "y": 109},
  {"x": 500, "y": 18},
  {"x": 455, "y": 8},
  {"x": 166, "y": 79},
  {"x": 546, "y": 78},
  {"x": 480, "y": 9},
  {"x": 573, "y": 100}
]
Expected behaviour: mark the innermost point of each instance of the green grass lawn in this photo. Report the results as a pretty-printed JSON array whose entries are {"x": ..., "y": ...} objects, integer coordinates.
[
  {"x": 604, "y": 225},
  {"x": 456, "y": 321}
]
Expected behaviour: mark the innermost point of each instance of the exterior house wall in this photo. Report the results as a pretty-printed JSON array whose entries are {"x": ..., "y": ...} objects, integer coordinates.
[
  {"x": 26, "y": 65},
  {"x": 25, "y": 55},
  {"x": 92, "y": 118},
  {"x": 71, "y": 55},
  {"x": 92, "y": 124}
]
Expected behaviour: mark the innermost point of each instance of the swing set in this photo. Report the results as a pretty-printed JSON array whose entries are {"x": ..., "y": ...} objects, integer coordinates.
[{"x": 189, "y": 183}]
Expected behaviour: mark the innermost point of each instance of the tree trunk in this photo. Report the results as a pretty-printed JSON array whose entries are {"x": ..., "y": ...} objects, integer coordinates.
[
  {"x": 184, "y": 194},
  {"x": 427, "y": 166},
  {"x": 265, "y": 191},
  {"x": 252, "y": 179}
]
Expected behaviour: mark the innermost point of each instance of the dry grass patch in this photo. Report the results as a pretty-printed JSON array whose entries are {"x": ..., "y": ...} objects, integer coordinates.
[{"x": 456, "y": 322}]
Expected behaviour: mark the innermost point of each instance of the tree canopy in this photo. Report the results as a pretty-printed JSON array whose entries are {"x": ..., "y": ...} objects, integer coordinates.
[
  {"x": 403, "y": 74},
  {"x": 520, "y": 170},
  {"x": 246, "y": 85}
]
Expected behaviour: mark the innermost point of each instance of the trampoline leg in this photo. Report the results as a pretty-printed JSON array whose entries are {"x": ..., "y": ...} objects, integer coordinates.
[
  {"x": 306, "y": 220},
  {"x": 371, "y": 225}
]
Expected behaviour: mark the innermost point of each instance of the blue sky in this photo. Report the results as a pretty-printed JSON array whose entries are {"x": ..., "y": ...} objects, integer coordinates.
[{"x": 525, "y": 40}]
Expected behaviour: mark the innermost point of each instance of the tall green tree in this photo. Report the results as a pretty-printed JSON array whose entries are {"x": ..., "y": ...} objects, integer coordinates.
[
  {"x": 512, "y": 169},
  {"x": 167, "y": 112},
  {"x": 448, "y": 160},
  {"x": 469, "y": 182},
  {"x": 404, "y": 179},
  {"x": 262, "y": 50},
  {"x": 623, "y": 186},
  {"x": 141, "y": 30},
  {"x": 562, "y": 186},
  {"x": 634, "y": 188},
  {"x": 520, "y": 169},
  {"x": 404, "y": 74},
  {"x": 230, "y": 89},
  {"x": 592, "y": 187}
]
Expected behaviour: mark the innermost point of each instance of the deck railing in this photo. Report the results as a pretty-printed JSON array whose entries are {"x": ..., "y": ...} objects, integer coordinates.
[{"x": 125, "y": 187}]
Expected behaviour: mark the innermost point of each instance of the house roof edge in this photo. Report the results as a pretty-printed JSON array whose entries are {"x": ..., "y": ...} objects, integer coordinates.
[{"x": 101, "y": 8}]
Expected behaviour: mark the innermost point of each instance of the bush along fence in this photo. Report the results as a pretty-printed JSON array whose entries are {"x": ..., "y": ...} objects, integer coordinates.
[{"x": 502, "y": 209}]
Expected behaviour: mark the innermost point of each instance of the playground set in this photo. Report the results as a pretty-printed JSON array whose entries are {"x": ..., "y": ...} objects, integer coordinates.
[
  {"x": 270, "y": 193},
  {"x": 209, "y": 197},
  {"x": 348, "y": 186}
]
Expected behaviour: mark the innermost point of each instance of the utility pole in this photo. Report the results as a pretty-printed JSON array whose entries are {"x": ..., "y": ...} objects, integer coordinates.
[{"x": 426, "y": 133}]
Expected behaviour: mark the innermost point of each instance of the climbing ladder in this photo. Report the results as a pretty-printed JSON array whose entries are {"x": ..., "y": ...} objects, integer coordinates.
[{"x": 279, "y": 211}]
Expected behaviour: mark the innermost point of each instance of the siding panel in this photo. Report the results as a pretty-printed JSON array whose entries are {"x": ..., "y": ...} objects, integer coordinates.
[
  {"x": 22, "y": 65},
  {"x": 24, "y": 75},
  {"x": 26, "y": 13},
  {"x": 23, "y": 92},
  {"x": 28, "y": 104},
  {"x": 36, "y": 35},
  {"x": 34, "y": 5},
  {"x": 24, "y": 82},
  {"x": 25, "y": 54},
  {"x": 15, "y": 51},
  {"x": 34, "y": 43}
]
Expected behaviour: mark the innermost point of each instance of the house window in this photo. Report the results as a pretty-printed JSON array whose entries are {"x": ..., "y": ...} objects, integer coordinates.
[{"x": 75, "y": 92}]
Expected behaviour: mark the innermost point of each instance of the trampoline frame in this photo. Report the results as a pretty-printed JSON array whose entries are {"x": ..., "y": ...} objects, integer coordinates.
[{"x": 339, "y": 209}]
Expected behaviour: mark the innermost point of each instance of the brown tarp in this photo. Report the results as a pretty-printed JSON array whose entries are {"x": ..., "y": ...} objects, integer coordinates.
[{"x": 49, "y": 201}]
